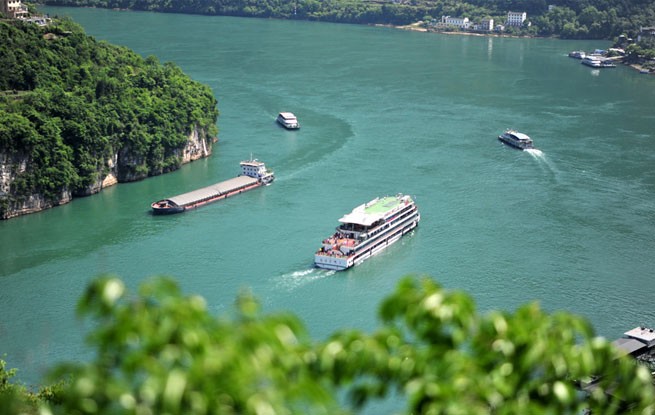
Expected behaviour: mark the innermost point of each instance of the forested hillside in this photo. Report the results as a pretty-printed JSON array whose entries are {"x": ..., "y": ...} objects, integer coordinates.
[
  {"x": 589, "y": 19},
  {"x": 73, "y": 110}
]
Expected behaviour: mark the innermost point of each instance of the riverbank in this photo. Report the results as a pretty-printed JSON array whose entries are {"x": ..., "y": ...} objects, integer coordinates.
[{"x": 418, "y": 27}]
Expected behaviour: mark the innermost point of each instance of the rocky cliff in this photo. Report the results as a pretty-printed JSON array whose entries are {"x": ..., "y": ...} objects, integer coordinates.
[{"x": 122, "y": 166}]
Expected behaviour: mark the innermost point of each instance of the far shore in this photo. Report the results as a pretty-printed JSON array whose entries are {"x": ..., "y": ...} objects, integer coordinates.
[{"x": 416, "y": 27}]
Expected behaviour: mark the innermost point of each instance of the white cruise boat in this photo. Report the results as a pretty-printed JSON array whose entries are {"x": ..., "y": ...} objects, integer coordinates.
[
  {"x": 596, "y": 61},
  {"x": 368, "y": 230},
  {"x": 288, "y": 120},
  {"x": 516, "y": 139}
]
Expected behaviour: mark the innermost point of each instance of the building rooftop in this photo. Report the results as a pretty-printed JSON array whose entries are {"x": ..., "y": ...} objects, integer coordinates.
[{"x": 643, "y": 334}]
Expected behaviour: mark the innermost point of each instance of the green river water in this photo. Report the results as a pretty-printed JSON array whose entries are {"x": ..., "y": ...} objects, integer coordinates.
[{"x": 383, "y": 111}]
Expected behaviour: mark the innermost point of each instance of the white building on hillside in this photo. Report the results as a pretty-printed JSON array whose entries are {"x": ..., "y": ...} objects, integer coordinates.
[
  {"x": 459, "y": 22},
  {"x": 13, "y": 9},
  {"x": 486, "y": 25},
  {"x": 646, "y": 33},
  {"x": 516, "y": 18}
]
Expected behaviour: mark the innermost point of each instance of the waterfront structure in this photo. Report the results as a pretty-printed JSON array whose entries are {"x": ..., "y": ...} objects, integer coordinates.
[
  {"x": 516, "y": 18},
  {"x": 13, "y": 9},
  {"x": 458, "y": 22},
  {"x": 646, "y": 33},
  {"x": 367, "y": 230},
  {"x": 486, "y": 25},
  {"x": 636, "y": 342}
]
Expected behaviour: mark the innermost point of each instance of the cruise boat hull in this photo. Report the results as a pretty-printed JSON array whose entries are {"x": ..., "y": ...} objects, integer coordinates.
[{"x": 345, "y": 263}]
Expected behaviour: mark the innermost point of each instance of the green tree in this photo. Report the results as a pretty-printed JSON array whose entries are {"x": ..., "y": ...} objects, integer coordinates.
[
  {"x": 161, "y": 352},
  {"x": 70, "y": 104}
]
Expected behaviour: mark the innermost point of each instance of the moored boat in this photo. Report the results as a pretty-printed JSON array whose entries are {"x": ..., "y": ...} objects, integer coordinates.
[
  {"x": 516, "y": 139},
  {"x": 577, "y": 54},
  {"x": 253, "y": 174},
  {"x": 288, "y": 120},
  {"x": 367, "y": 230},
  {"x": 597, "y": 61}
]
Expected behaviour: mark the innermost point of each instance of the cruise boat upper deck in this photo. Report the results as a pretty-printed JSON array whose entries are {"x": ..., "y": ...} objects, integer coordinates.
[{"x": 367, "y": 230}]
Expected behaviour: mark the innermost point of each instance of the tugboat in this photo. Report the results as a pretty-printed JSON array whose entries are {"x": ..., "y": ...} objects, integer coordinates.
[{"x": 516, "y": 139}]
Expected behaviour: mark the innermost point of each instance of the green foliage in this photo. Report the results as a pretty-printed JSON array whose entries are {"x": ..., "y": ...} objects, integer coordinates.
[
  {"x": 161, "y": 352},
  {"x": 73, "y": 103},
  {"x": 447, "y": 359},
  {"x": 17, "y": 399},
  {"x": 5, "y": 376},
  {"x": 592, "y": 19}
]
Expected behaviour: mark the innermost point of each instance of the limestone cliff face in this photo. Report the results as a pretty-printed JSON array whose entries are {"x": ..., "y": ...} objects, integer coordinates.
[
  {"x": 123, "y": 166},
  {"x": 11, "y": 166},
  {"x": 198, "y": 146}
]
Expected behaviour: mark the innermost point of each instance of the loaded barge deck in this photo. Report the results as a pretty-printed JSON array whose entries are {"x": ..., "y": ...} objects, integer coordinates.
[{"x": 253, "y": 174}]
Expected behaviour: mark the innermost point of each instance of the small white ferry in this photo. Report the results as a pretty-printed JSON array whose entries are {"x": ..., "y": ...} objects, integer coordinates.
[
  {"x": 577, "y": 54},
  {"x": 368, "y": 230},
  {"x": 516, "y": 139},
  {"x": 288, "y": 120}
]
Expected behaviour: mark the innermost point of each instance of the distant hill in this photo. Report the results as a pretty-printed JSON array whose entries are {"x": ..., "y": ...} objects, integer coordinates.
[
  {"x": 583, "y": 19},
  {"x": 77, "y": 115}
]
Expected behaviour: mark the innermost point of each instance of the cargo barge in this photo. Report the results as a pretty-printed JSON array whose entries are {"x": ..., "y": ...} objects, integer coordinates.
[{"x": 253, "y": 174}]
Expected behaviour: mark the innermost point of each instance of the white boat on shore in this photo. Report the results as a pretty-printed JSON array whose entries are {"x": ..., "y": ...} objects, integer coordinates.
[
  {"x": 367, "y": 230},
  {"x": 577, "y": 54},
  {"x": 596, "y": 61},
  {"x": 288, "y": 120}
]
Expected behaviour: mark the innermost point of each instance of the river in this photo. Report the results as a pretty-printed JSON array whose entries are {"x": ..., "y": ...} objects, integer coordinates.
[{"x": 383, "y": 111}]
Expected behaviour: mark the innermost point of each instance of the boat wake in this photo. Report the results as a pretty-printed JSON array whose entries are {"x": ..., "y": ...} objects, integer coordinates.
[
  {"x": 546, "y": 165},
  {"x": 297, "y": 279},
  {"x": 535, "y": 152}
]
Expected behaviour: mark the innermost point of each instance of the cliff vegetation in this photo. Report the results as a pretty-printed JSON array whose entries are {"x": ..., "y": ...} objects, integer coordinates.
[{"x": 77, "y": 114}]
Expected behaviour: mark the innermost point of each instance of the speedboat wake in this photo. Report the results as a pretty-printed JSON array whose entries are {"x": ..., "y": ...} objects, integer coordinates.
[
  {"x": 297, "y": 279},
  {"x": 535, "y": 152},
  {"x": 544, "y": 163}
]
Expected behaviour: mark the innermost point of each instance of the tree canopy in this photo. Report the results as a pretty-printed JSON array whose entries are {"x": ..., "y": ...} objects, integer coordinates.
[
  {"x": 586, "y": 19},
  {"x": 162, "y": 352},
  {"x": 69, "y": 104}
]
